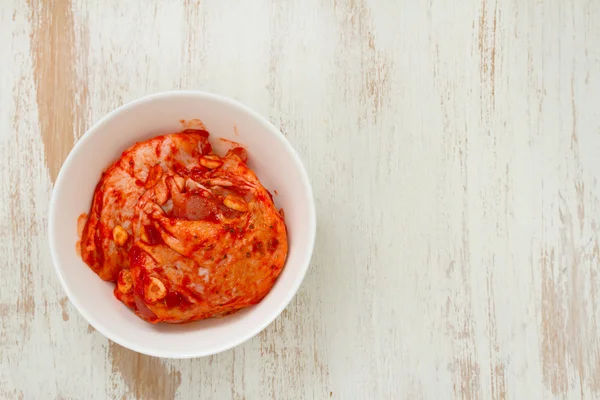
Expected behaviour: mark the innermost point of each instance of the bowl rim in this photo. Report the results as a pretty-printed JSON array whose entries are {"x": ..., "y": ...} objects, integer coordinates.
[{"x": 249, "y": 333}]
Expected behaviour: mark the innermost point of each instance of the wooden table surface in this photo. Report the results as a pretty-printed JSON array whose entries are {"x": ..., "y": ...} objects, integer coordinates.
[{"x": 453, "y": 147}]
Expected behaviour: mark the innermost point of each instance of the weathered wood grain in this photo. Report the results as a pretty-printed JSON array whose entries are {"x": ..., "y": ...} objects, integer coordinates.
[{"x": 453, "y": 149}]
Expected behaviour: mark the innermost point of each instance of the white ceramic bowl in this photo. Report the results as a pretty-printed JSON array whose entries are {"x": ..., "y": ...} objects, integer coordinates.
[{"x": 271, "y": 157}]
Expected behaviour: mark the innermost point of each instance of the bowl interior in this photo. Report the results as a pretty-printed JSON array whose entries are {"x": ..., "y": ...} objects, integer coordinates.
[{"x": 270, "y": 156}]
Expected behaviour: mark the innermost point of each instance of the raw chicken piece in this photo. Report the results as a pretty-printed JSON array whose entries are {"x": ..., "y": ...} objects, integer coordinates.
[{"x": 186, "y": 234}]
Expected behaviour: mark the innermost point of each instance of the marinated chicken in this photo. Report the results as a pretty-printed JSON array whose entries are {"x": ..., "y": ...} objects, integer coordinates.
[{"x": 184, "y": 234}]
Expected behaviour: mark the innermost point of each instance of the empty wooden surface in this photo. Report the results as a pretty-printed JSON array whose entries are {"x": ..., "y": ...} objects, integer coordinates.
[{"x": 453, "y": 148}]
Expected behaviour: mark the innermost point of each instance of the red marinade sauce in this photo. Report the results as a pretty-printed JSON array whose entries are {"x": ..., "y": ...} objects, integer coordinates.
[
  {"x": 153, "y": 234},
  {"x": 136, "y": 257},
  {"x": 197, "y": 173},
  {"x": 180, "y": 170},
  {"x": 173, "y": 299}
]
